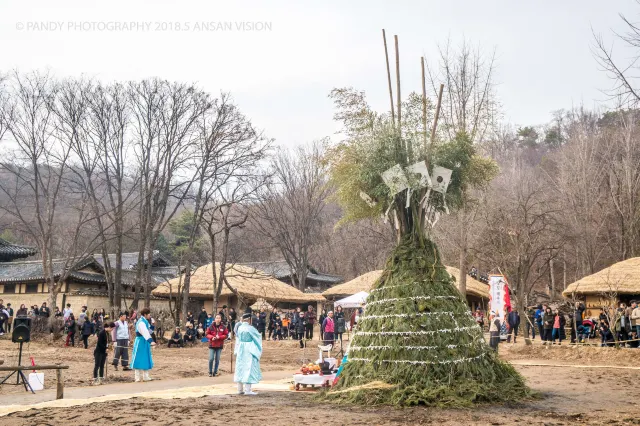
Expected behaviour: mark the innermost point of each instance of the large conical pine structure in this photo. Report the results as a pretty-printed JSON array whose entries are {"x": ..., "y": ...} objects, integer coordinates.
[
  {"x": 418, "y": 338},
  {"x": 417, "y": 342}
]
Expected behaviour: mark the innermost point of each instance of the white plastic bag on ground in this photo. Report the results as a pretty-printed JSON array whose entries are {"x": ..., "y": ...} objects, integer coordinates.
[{"x": 36, "y": 381}]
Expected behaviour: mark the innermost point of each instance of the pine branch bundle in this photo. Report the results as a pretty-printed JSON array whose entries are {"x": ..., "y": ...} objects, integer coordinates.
[{"x": 418, "y": 335}]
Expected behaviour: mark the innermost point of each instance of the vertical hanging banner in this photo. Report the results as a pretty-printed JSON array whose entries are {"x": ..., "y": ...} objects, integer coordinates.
[
  {"x": 497, "y": 296},
  {"x": 500, "y": 301}
]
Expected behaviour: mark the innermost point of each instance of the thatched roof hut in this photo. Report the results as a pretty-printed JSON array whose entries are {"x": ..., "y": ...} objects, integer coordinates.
[
  {"x": 620, "y": 278},
  {"x": 262, "y": 304},
  {"x": 365, "y": 282},
  {"x": 248, "y": 282},
  {"x": 474, "y": 287}
]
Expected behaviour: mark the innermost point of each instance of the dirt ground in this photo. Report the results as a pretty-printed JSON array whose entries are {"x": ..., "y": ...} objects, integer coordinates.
[
  {"x": 567, "y": 395},
  {"x": 571, "y": 354},
  {"x": 170, "y": 363}
]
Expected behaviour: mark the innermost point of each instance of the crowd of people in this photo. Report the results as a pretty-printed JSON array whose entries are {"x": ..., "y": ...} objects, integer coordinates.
[
  {"x": 215, "y": 330},
  {"x": 614, "y": 326},
  {"x": 296, "y": 324},
  {"x": 299, "y": 325}
]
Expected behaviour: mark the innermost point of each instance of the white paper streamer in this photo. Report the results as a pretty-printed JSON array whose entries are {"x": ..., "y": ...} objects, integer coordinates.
[
  {"x": 417, "y": 314},
  {"x": 399, "y": 285},
  {"x": 413, "y": 348},
  {"x": 395, "y": 299},
  {"x": 406, "y": 361},
  {"x": 425, "y": 200},
  {"x": 409, "y": 333},
  {"x": 386, "y": 214}
]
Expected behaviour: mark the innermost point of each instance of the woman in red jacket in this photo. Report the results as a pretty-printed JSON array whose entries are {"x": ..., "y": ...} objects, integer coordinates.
[{"x": 216, "y": 333}]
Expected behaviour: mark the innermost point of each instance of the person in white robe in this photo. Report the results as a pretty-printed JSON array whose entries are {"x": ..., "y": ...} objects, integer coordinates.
[{"x": 248, "y": 351}]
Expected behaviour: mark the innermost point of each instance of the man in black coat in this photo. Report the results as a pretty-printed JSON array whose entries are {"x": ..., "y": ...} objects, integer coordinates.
[
  {"x": 44, "y": 310},
  {"x": 202, "y": 318},
  {"x": 513, "y": 319}
]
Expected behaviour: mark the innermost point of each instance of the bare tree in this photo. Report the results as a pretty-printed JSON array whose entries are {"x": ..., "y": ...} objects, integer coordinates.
[
  {"x": 622, "y": 71},
  {"x": 291, "y": 205},
  {"x": 165, "y": 117},
  {"x": 620, "y": 133},
  {"x": 579, "y": 178},
  {"x": 521, "y": 229},
  {"x": 228, "y": 212},
  {"x": 109, "y": 125},
  {"x": 44, "y": 120},
  {"x": 469, "y": 106},
  {"x": 101, "y": 167},
  {"x": 227, "y": 149}
]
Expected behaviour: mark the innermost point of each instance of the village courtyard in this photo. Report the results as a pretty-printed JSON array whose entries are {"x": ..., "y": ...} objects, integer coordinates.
[
  {"x": 310, "y": 213},
  {"x": 569, "y": 380}
]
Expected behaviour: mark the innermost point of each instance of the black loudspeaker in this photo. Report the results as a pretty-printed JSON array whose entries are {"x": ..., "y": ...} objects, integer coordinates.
[{"x": 21, "y": 330}]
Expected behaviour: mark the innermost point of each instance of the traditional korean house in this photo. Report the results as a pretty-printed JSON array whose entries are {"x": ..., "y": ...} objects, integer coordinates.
[
  {"x": 249, "y": 286},
  {"x": 607, "y": 288},
  {"x": 316, "y": 282},
  {"x": 23, "y": 282},
  {"x": 10, "y": 251}
]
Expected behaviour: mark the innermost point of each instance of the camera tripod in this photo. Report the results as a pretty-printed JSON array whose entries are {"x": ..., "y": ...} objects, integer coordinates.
[{"x": 19, "y": 374}]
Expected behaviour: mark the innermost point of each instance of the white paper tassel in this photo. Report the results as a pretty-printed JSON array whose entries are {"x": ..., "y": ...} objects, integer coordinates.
[{"x": 407, "y": 361}]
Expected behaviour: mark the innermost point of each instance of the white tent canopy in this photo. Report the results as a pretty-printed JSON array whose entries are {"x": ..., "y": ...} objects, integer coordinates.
[{"x": 353, "y": 301}]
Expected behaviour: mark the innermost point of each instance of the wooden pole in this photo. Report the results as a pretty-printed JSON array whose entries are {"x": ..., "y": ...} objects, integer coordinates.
[
  {"x": 60, "y": 385},
  {"x": 424, "y": 104},
  {"x": 398, "y": 86},
  {"x": 435, "y": 121},
  {"x": 386, "y": 55},
  {"x": 33, "y": 367}
]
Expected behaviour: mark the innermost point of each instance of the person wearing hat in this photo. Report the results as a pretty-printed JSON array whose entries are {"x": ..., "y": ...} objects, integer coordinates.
[
  {"x": 121, "y": 337},
  {"x": 224, "y": 315},
  {"x": 248, "y": 351}
]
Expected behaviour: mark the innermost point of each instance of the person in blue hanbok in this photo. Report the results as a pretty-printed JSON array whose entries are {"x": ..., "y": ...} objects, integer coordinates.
[
  {"x": 141, "y": 360},
  {"x": 248, "y": 351}
]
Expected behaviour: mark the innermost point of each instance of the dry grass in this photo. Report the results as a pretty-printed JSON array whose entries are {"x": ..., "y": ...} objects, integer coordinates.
[
  {"x": 621, "y": 278},
  {"x": 362, "y": 283},
  {"x": 250, "y": 283},
  {"x": 366, "y": 281}
]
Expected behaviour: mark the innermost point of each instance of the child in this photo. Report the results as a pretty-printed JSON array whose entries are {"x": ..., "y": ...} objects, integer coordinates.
[
  {"x": 100, "y": 353},
  {"x": 285, "y": 326},
  {"x": 277, "y": 328}
]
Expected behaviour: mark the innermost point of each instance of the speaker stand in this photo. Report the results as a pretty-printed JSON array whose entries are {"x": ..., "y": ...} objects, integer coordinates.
[{"x": 19, "y": 374}]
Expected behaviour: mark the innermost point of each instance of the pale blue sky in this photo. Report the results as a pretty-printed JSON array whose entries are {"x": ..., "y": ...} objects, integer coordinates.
[{"x": 281, "y": 77}]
